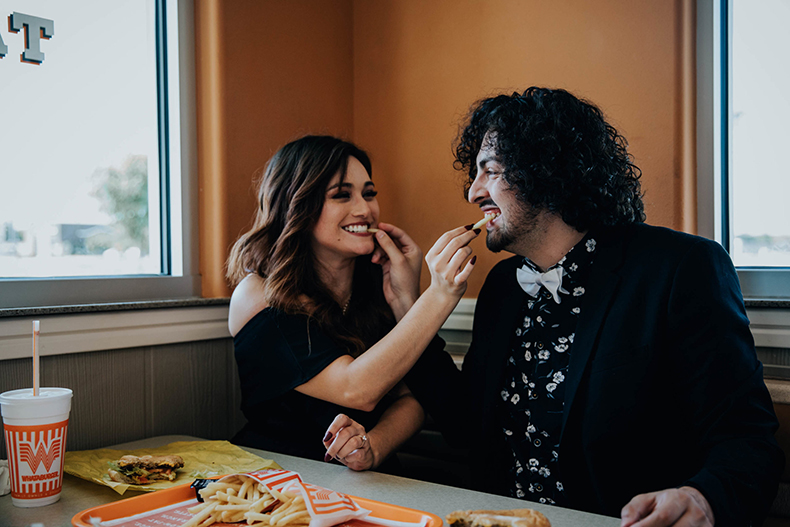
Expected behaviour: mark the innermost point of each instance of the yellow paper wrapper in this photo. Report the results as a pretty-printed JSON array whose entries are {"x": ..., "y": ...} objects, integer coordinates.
[{"x": 202, "y": 459}]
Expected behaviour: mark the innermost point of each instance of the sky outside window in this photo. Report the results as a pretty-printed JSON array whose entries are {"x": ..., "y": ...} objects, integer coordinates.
[
  {"x": 79, "y": 176},
  {"x": 760, "y": 127}
]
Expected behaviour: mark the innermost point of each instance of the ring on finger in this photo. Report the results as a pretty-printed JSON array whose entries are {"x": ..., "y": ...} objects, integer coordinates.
[{"x": 364, "y": 439}]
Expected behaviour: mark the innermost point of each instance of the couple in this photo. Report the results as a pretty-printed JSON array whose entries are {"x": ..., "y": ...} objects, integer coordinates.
[{"x": 611, "y": 369}]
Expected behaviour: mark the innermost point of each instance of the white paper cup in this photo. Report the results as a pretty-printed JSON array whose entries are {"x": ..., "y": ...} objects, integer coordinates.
[{"x": 35, "y": 438}]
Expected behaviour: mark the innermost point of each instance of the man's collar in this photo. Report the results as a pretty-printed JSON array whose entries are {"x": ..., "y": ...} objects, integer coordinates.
[{"x": 579, "y": 254}]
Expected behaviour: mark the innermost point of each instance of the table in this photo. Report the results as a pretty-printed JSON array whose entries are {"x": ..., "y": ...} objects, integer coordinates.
[{"x": 79, "y": 494}]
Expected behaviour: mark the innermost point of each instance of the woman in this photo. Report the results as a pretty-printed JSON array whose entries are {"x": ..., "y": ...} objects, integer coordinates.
[{"x": 323, "y": 331}]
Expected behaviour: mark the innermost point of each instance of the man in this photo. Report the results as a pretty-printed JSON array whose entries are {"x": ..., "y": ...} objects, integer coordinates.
[{"x": 612, "y": 368}]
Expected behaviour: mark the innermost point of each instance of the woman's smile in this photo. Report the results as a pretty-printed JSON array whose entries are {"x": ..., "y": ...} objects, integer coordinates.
[
  {"x": 359, "y": 229},
  {"x": 350, "y": 206}
]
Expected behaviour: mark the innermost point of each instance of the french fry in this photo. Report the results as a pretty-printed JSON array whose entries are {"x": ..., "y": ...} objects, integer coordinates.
[
  {"x": 197, "y": 508},
  {"x": 201, "y": 516},
  {"x": 212, "y": 488},
  {"x": 234, "y": 507},
  {"x": 485, "y": 220},
  {"x": 244, "y": 489},
  {"x": 264, "y": 504},
  {"x": 290, "y": 518},
  {"x": 241, "y": 499},
  {"x": 280, "y": 496},
  {"x": 256, "y": 516},
  {"x": 295, "y": 505}
]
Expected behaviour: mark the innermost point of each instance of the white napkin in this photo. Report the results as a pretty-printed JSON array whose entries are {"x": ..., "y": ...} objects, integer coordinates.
[{"x": 5, "y": 484}]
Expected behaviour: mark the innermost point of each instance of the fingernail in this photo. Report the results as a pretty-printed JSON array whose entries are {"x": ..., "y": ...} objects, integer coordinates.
[
  {"x": 478, "y": 231},
  {"x": 327, "y": 457},
  {"x": 472, "y": 261},
  {"x": 328, "y": 437},
  {"x": 468, "y": 227}
]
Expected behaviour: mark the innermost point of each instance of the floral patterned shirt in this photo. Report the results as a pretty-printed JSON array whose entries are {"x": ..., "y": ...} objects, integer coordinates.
[{"x": 533, "y": 396}]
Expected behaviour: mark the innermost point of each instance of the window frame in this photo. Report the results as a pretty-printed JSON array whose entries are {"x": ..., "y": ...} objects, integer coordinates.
[
  {"x": 178, "y": 173},
  {"x": 714, "y": 29}
]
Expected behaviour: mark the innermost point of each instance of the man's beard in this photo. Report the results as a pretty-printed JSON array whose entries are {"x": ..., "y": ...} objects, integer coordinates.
[{"x": 505, "y": 236}]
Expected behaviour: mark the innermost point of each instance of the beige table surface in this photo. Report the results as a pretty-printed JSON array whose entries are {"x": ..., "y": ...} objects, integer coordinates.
[{"x": 79, "y": 494}]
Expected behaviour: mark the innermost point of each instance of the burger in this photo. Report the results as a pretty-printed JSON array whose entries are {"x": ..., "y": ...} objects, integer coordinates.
[
  {"x": 504, "y": 518},
  {"x": 136, "y": 470}
]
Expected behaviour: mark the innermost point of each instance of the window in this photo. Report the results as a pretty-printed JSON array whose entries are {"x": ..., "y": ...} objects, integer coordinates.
[
  {"x": 97, "y": 151},
  {"x": 742, "y": 114},
  {"x": 759, "y": 116}
]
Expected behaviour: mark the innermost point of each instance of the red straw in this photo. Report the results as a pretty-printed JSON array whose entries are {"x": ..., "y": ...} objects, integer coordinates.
[{"x": 35, "y": 358}]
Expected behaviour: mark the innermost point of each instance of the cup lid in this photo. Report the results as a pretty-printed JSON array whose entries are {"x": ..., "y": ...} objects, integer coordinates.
[{"x": 25, "y": 396}]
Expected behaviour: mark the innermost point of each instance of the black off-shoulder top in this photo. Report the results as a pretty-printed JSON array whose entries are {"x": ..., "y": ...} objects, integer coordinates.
[{"x": 275, "y": 353}]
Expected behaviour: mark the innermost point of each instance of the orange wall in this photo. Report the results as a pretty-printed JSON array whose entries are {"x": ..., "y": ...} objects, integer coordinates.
[
  {"x": 267, "y": 72},
  {"x": 398, "y": 75},
  {"x": 419, "y": 65}
]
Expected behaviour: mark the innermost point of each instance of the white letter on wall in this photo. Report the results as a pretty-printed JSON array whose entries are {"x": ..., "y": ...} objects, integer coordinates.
[
  {"x": 3, "y": 47},
  {"x": 35, "y": 29}
]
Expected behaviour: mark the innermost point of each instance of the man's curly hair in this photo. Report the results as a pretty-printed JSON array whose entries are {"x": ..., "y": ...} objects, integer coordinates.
[{"x": 559, "y": 153}]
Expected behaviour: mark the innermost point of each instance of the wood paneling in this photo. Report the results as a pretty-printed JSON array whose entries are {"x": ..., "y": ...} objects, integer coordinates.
[{"x": 123, "y": 395}]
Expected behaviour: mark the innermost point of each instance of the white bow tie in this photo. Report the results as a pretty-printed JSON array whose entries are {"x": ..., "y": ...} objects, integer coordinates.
[{"x": 531, "y": 280}]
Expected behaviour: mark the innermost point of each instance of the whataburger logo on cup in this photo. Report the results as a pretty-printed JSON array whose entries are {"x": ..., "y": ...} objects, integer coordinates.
[
  {"x": 35, "y": 434},
  {"x": 36, "y": 456}
]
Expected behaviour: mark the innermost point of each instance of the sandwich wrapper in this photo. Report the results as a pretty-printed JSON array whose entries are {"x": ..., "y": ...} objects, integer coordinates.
[
  {"x": 326, "y": 507},
  {"x": 202, "y": 459}
]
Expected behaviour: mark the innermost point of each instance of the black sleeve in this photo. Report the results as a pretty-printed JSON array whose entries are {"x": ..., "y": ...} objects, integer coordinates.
[
  {"x": 454, "y": 398},
  {"x": 718, "y": 369},
  {"x": 276, "y": 352},
  {"x": 437, "y": 384}
]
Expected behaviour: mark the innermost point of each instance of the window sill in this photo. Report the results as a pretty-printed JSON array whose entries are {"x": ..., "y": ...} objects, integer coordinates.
[
  {"x": 767, "y": 303},
  {"x": 116, "y": 306},
  {"x": 779, "y": 389},
  {"x": 770, "y": 322},
  {"x": 96, "y": 327}
]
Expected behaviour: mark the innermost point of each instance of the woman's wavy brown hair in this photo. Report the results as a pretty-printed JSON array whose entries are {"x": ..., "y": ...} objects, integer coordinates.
[{"x": 278, "y": 248}]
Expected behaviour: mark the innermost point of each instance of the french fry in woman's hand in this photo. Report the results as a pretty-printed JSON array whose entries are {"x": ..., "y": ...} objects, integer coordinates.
[{"x": 488, "y": 217}]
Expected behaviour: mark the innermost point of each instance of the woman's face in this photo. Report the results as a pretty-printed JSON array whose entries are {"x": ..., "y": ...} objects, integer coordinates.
[{"x": 347, "y": 206}]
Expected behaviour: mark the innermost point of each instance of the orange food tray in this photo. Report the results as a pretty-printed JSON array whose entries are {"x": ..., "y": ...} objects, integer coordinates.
[{"x": 163, "y": 498}]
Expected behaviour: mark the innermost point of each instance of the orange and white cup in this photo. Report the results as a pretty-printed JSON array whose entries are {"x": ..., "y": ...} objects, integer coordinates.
[{"x": 35, "y": 438}]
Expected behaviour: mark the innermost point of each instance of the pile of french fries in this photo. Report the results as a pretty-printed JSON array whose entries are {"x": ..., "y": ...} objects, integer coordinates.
[{"x": 241, "y": 498}]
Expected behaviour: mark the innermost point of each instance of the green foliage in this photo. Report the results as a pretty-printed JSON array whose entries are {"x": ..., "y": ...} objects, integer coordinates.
[{"x": 123, "y": 194}]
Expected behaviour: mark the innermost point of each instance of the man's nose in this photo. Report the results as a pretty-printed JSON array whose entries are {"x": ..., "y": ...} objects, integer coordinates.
[{"x": 477, "y": 191}]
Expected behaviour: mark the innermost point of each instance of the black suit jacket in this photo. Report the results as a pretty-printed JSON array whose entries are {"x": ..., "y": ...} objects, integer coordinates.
[{"x": 664, "y": 388}]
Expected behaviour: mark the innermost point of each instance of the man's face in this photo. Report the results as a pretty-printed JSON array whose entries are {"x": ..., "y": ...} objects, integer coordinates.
[{"x": 516, "y": 221}]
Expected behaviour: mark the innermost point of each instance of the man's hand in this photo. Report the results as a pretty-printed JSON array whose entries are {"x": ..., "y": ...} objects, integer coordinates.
[{"x": 682, "y": 507}]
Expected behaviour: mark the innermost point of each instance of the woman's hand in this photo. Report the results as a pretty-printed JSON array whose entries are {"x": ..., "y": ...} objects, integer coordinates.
[
  {"x": 346, "y": 441},
  {"x": 446, "y": 262},
  {"x": 401, "y": 261}
]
